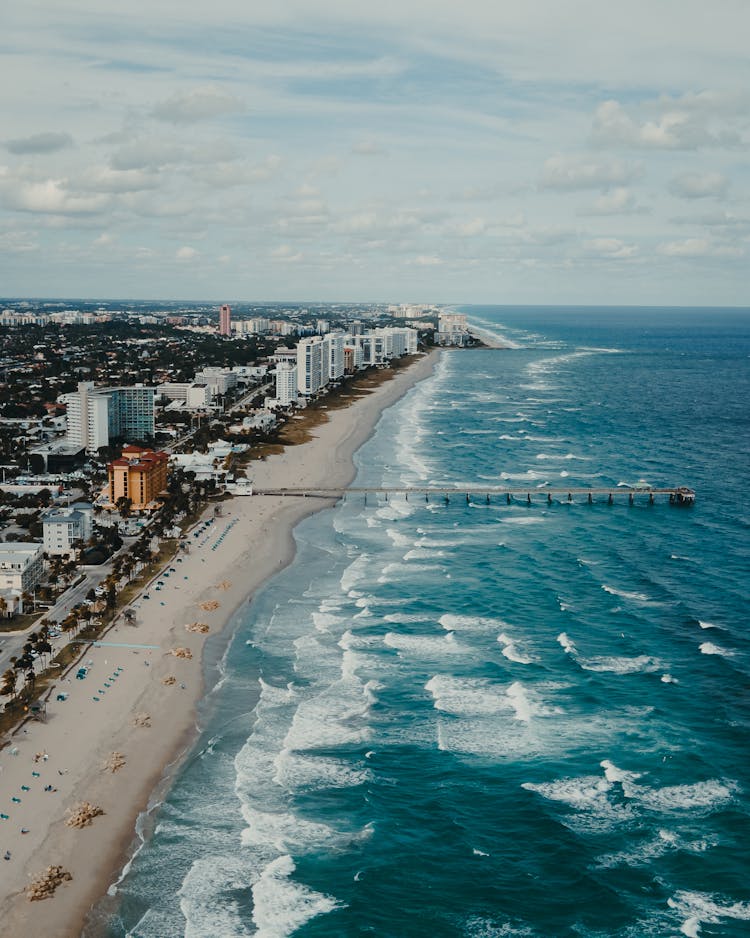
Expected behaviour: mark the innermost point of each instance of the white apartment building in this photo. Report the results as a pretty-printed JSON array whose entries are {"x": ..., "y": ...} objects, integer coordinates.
[
  {"x": 65, "y": 529},
  {"x": 322, "y": 326},
  {"x": 381, "y": 345},
  {"x": 9, "y": 317},
  {"x": 219, "y": 380},
  {"x": 282, "y": 327},
  {"x": 96, "y": 415},
  {"x": 286, "y": 383},
  {"x": 333, "y": 352},
  {"x": 21, "y": 565},
  {"x": 87, "y": 412},
  {"x": 311, "y": 373},
  {"x": 192, "y": 394}
]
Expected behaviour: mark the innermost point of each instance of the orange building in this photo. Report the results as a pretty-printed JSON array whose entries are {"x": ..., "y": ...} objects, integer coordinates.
[{"x": 140, "y": 475}]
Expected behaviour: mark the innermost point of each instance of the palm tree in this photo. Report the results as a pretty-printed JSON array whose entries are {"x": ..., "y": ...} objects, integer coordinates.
[
  {"x": 42, "y": 647},
  {"x": 8, "y": 686}
]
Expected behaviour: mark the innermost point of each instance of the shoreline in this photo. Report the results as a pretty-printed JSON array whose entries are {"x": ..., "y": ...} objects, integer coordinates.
[{"x": 135, "y": 674}]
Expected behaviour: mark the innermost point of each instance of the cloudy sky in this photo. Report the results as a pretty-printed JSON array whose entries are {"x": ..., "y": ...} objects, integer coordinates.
[{"x": 585, "y": 151}]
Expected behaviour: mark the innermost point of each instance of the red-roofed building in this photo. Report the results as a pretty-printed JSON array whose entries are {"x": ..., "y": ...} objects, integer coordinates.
[{"x": 140, "y": 475}]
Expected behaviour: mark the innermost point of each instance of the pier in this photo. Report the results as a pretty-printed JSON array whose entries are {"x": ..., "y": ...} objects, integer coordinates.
[{"x": 474, "y": 494}]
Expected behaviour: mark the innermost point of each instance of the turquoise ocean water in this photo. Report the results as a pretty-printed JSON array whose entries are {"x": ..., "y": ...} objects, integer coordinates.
[{"x": 492, "y": 720}]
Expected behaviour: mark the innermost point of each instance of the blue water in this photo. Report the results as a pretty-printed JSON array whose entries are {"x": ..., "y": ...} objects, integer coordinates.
[{"x": 493, "y": 720}]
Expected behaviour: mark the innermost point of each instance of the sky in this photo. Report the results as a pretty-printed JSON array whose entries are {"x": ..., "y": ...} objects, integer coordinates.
[{"x": 488, "y": 151}]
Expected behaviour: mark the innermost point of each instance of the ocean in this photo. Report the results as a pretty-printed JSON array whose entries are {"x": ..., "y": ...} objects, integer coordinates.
[{"x": 486, "y": 720}]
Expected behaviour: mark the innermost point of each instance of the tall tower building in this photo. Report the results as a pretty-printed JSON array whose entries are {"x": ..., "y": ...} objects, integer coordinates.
[
  {"x": 96, "y": 415},
  {"x": 311, "y": 374},
  {"x": 225, "y": 320}
]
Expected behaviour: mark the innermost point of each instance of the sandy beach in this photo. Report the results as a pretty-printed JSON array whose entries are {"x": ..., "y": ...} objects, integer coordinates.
[{"x": 138, "y": 699}]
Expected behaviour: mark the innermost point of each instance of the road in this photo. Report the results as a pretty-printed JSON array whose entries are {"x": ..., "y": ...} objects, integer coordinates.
[{"x": 12, "y": 645}]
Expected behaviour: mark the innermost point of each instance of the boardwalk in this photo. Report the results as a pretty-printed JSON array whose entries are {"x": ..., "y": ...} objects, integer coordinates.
[{"x": 680, "y": 495}]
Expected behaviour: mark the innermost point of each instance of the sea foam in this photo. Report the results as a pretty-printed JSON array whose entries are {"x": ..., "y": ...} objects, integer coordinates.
[
  {"x": 708, "y": 648},
  {"x": 282, "y": 906}
]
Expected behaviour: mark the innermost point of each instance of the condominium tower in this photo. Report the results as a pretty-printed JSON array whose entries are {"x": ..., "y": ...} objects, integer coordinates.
[
  {"x": 97, "y": 415},
  {"x": 225, "y": 320}
]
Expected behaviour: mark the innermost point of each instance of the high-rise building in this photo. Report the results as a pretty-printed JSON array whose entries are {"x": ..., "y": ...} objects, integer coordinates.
[
  {"x": 225, "y": 320},
  {"x": 312, "y": 373},
  {"x": 87, "y": 412},
  {"x": 139, "y": 474},
  {"x": 131, "y": 412},
  {"x": 97, "y": 415},
  {"x": 333, "y": 351},
  {"x": 286, "y": 383}
]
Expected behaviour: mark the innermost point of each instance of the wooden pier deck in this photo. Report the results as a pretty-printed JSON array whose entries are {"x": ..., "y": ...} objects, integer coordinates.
[{"x": 679, "y": 495}]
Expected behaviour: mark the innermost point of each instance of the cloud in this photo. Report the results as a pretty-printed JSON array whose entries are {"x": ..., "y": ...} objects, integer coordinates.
[
  {"x": 469, "y": 229},
  {"x": 724, "y": 221},
  {"x": 698, "y": 247},
  {"x": 674, "y": 129},
  {"x": 51, "y": 197},
  {"x": 147, "y": 153},
  {"x": 583, "y": 172},
  {"x": 619, "y": 201},
  {"x": 197, "y": 105},
  {"x": 104, "y": 179},
  {"x": 699, "y": 185},
  {"x": 611, "y": 247},
  {"x": 186, "y": 253},
  {"x": 226, "y": 174},
  {"x": 286, "y": 253},
  {"x": 427, "y": 260},
  {"x": 49, "y": 142}
]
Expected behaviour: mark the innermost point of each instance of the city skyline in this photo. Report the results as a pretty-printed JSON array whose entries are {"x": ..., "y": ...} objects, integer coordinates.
[{"x": 409, "y": 152}]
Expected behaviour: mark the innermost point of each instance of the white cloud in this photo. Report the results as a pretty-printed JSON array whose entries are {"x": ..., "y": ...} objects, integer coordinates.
[
  {"x": 469, "y": 229},
  {"x": 225, "y": 174},
  {"x": 51, "y": 196},
  {"x": 674, "y": 129},
  {"x": 699, "y": 185},
  {"x": 584, "y": 172},
  {"x": 619, "y": 201},
  {"x": 168, "y": 123},
  {"x": 427, "y": 260},
  {"x": 611, "y": 247},
  {"x": 699, "y": 247},
  {"x": 186, "y": 253},
  {"x": 104, "y": 179},
  {"x": 197, "y": 105},
  {"x": 49, "y": 142},
  {"x": 724, "y": 221},
  {"x": 286, "y": 253},
  {"x": 148, "y": 153}
]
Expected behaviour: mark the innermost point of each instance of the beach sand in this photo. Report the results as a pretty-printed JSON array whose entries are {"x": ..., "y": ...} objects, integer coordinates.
[{"x": 50, "y": 767}]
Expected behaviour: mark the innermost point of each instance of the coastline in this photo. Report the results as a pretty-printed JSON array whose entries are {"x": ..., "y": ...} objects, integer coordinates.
[
  {"x": 488, "y": 339},
  {"x": 227, "y": 563}
]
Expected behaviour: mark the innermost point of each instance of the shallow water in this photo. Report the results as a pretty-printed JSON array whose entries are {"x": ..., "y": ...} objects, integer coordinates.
[{"x": 493, "y": 720}]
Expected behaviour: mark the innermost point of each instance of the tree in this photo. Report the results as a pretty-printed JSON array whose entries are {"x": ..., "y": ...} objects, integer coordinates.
[
  {"x": 124, "y": 505},
  {"x": 8, "y": 686}
]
